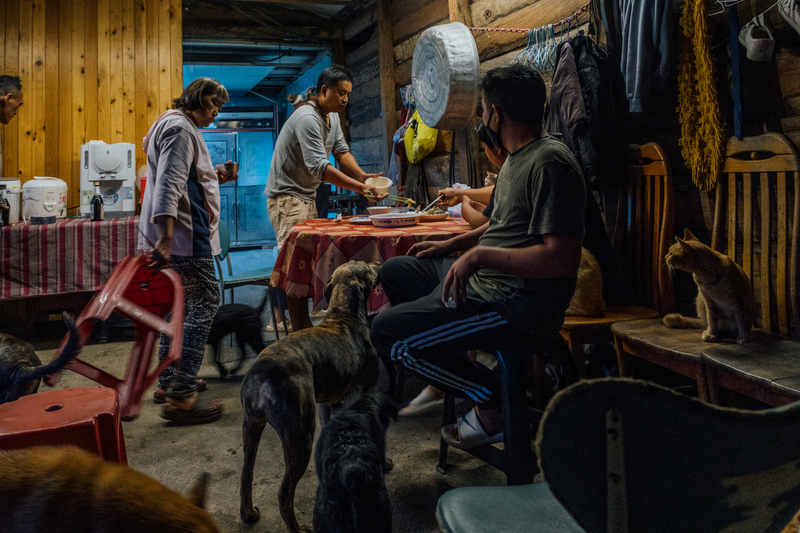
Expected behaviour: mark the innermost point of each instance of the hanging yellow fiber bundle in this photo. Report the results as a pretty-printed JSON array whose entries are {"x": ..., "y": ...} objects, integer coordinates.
[{"x": 701, "y": 134}]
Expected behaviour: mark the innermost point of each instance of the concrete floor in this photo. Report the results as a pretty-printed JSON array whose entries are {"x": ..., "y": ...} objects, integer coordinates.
[{"x": 176, "y": 455}]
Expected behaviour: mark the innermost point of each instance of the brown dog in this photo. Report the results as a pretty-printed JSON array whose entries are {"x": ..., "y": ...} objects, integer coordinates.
[
  {"x": 48, "y": 488},
  {"x": 320, "y": 365}
]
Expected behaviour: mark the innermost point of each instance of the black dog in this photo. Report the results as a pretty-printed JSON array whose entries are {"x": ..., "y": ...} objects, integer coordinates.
[
  {"x": 21, "y": 370},
  {"x": 350, "y": 459},
  {"x": 245, "y": 322}
]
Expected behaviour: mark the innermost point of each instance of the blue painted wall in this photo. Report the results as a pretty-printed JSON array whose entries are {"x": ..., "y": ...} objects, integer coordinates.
[{"x": 300, "y": 86}]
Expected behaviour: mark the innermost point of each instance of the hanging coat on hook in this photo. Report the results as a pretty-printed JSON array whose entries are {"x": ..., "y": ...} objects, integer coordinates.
[{"x": 587, "y": 106}]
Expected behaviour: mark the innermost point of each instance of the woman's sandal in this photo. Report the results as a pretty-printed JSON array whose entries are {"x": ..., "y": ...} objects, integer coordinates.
[
  {"x": 160, "y": 395},
  {"x": 196, "y": 415},
  {"x": 270, "y": 328},
  {"x": 470, "y": 432}
]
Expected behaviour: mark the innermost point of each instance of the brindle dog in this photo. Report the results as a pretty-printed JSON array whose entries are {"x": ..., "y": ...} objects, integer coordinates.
[
  {"x": 320, "y": 365},
  {"x": 21, "y": 370}
]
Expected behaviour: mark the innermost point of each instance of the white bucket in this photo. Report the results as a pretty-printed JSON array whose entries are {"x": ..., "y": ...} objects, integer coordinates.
[{"x": 44, "y": 197}]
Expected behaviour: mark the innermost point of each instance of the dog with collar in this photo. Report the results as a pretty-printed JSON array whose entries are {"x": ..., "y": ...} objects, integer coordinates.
[{"x": 320, "y": 365}]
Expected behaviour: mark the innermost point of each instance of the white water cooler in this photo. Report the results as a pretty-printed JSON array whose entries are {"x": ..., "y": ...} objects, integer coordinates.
[{"x": 113, "y": 168}]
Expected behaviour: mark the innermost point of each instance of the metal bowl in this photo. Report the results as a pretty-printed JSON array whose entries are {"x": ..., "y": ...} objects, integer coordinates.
[{"x": 395, "y": 220}]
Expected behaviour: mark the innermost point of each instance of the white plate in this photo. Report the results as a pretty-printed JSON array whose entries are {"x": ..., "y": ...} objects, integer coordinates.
[{"x": 359, "y": 220}]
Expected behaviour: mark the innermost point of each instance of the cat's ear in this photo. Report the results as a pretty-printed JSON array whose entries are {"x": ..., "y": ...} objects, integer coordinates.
[
  {"x": 685, "y": 246},
  {"x": 688, "y": 236}
]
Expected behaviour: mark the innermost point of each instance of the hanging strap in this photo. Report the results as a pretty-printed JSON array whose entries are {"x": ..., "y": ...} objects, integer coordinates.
[
  {"x": 733, "y": 42},
  {"x": 453, "y": 158}
]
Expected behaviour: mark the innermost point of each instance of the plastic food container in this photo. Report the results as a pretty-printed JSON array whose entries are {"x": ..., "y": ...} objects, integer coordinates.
[{"x": 395, "y": 220}]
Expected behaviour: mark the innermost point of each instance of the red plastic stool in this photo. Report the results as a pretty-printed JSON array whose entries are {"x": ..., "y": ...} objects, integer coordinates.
[
  {"x": 145, "y": 298},
  {"x": 87, "y": 417}
]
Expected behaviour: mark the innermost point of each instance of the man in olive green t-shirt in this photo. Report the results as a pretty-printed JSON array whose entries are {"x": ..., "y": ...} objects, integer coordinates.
[{"x": 516, "y": 275}]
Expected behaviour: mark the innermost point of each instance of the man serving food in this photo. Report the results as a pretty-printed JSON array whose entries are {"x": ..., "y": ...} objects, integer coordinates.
[{"x": 300, "y": 162}]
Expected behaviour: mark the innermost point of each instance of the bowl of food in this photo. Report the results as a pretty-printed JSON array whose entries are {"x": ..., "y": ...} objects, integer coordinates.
[
  {"x": 379, "y": 210},
  {"x": 432, "y": 214},
  {"x": 380, "y": 183},
  {"x": 395, "y": 220}
]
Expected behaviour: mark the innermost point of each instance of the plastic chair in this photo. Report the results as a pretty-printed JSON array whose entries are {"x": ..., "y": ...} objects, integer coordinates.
[
  {"x": 259, "y": 276},
  {"x": 516, "y": 460},
  {"x": 621, "y": 455},
  {"x": 87, "y": 417},
  {"x": 145, "y": 298}
]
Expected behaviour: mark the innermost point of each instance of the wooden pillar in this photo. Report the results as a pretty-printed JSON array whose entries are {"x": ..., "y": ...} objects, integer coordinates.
[
  {"x": 386, "y": 61},
  {"x": 467, "y": 149},
  {"x": 459, "y": 12}
]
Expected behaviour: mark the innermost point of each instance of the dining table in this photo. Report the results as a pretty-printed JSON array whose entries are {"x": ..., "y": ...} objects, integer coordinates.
[
  {"x": 317, "y": 247},
  {"x": 71, "y": 255}
]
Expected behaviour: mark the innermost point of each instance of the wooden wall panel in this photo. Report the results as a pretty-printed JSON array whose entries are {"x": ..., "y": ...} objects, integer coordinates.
[
  {"x": 91, "y": 70},
  {"x": 52, "y": 119}
]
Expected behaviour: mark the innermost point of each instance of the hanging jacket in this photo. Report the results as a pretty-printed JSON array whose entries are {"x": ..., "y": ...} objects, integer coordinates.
[
  {"x": 646, "y": 47},
  {"x": 587, "y": 106}
]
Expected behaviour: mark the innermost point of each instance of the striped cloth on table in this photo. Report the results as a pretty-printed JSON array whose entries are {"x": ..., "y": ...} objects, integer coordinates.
[{"x": 72, "y": 255}]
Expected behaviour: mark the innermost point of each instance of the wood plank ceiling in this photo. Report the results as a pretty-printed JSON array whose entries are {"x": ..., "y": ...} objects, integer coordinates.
[{"x": 290, "y": 36}]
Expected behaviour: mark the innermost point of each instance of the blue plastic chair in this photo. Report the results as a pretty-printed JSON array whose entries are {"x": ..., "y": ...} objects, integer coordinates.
[
  {"x": 625, "y": 456},
  {"x": 259, "y": 276}
]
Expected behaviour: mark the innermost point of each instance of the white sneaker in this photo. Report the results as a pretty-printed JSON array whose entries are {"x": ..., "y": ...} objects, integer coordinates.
[
  {"x": 790, "y": 10},
  {"x": 756, "y": 37}
]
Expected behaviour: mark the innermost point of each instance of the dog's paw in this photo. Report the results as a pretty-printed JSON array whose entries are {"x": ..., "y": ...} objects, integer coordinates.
[{"x": 249, "y": 515}]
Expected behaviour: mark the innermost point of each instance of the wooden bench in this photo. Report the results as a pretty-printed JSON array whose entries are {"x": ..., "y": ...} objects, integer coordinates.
[{"x": 756, "y": 224}]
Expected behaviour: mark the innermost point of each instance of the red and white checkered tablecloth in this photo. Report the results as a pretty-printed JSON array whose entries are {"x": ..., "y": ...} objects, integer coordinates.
[
  {"x": 315, "y": 248},
  {"x": 72, "y": 255}
]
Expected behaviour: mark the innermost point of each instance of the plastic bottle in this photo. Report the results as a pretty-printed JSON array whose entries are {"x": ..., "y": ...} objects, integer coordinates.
[{"x": 96, "y": 205}]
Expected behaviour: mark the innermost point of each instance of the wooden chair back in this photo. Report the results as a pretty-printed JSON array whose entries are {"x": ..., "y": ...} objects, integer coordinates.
[
  {"x": 644, "y": 229},
  {"x": 627, "y": 455},
  {"x": 757, "y": 221}
]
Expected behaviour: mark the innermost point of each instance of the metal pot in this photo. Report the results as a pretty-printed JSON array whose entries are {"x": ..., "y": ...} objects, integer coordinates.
[{"x": 445, "y": 74}]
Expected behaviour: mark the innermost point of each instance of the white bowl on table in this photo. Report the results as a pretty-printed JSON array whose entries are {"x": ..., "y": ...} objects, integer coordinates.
[
  {"x": 395, "y": 220},
  {"x": 379, "y": 210},
  {"x": 381, "y": 184}
]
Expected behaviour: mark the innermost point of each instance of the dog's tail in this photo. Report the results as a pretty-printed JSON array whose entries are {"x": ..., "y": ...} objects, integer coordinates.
[{"x": 70, "y": 352}]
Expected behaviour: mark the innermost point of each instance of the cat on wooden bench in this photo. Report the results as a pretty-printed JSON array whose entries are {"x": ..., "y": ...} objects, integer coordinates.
[{"x": 725, "y": 304}]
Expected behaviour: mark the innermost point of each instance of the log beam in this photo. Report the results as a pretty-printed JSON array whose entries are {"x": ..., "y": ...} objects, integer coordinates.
[
  {"x": 386, "y": 61},
  {"x": 459, "y": 12}
]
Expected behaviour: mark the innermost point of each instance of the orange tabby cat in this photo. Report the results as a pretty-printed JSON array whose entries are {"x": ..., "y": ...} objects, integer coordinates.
[
  {"x": 588, "y": 297},
  {"x": 64, "y": 488},
  {"x": 725, "y": 305}
]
